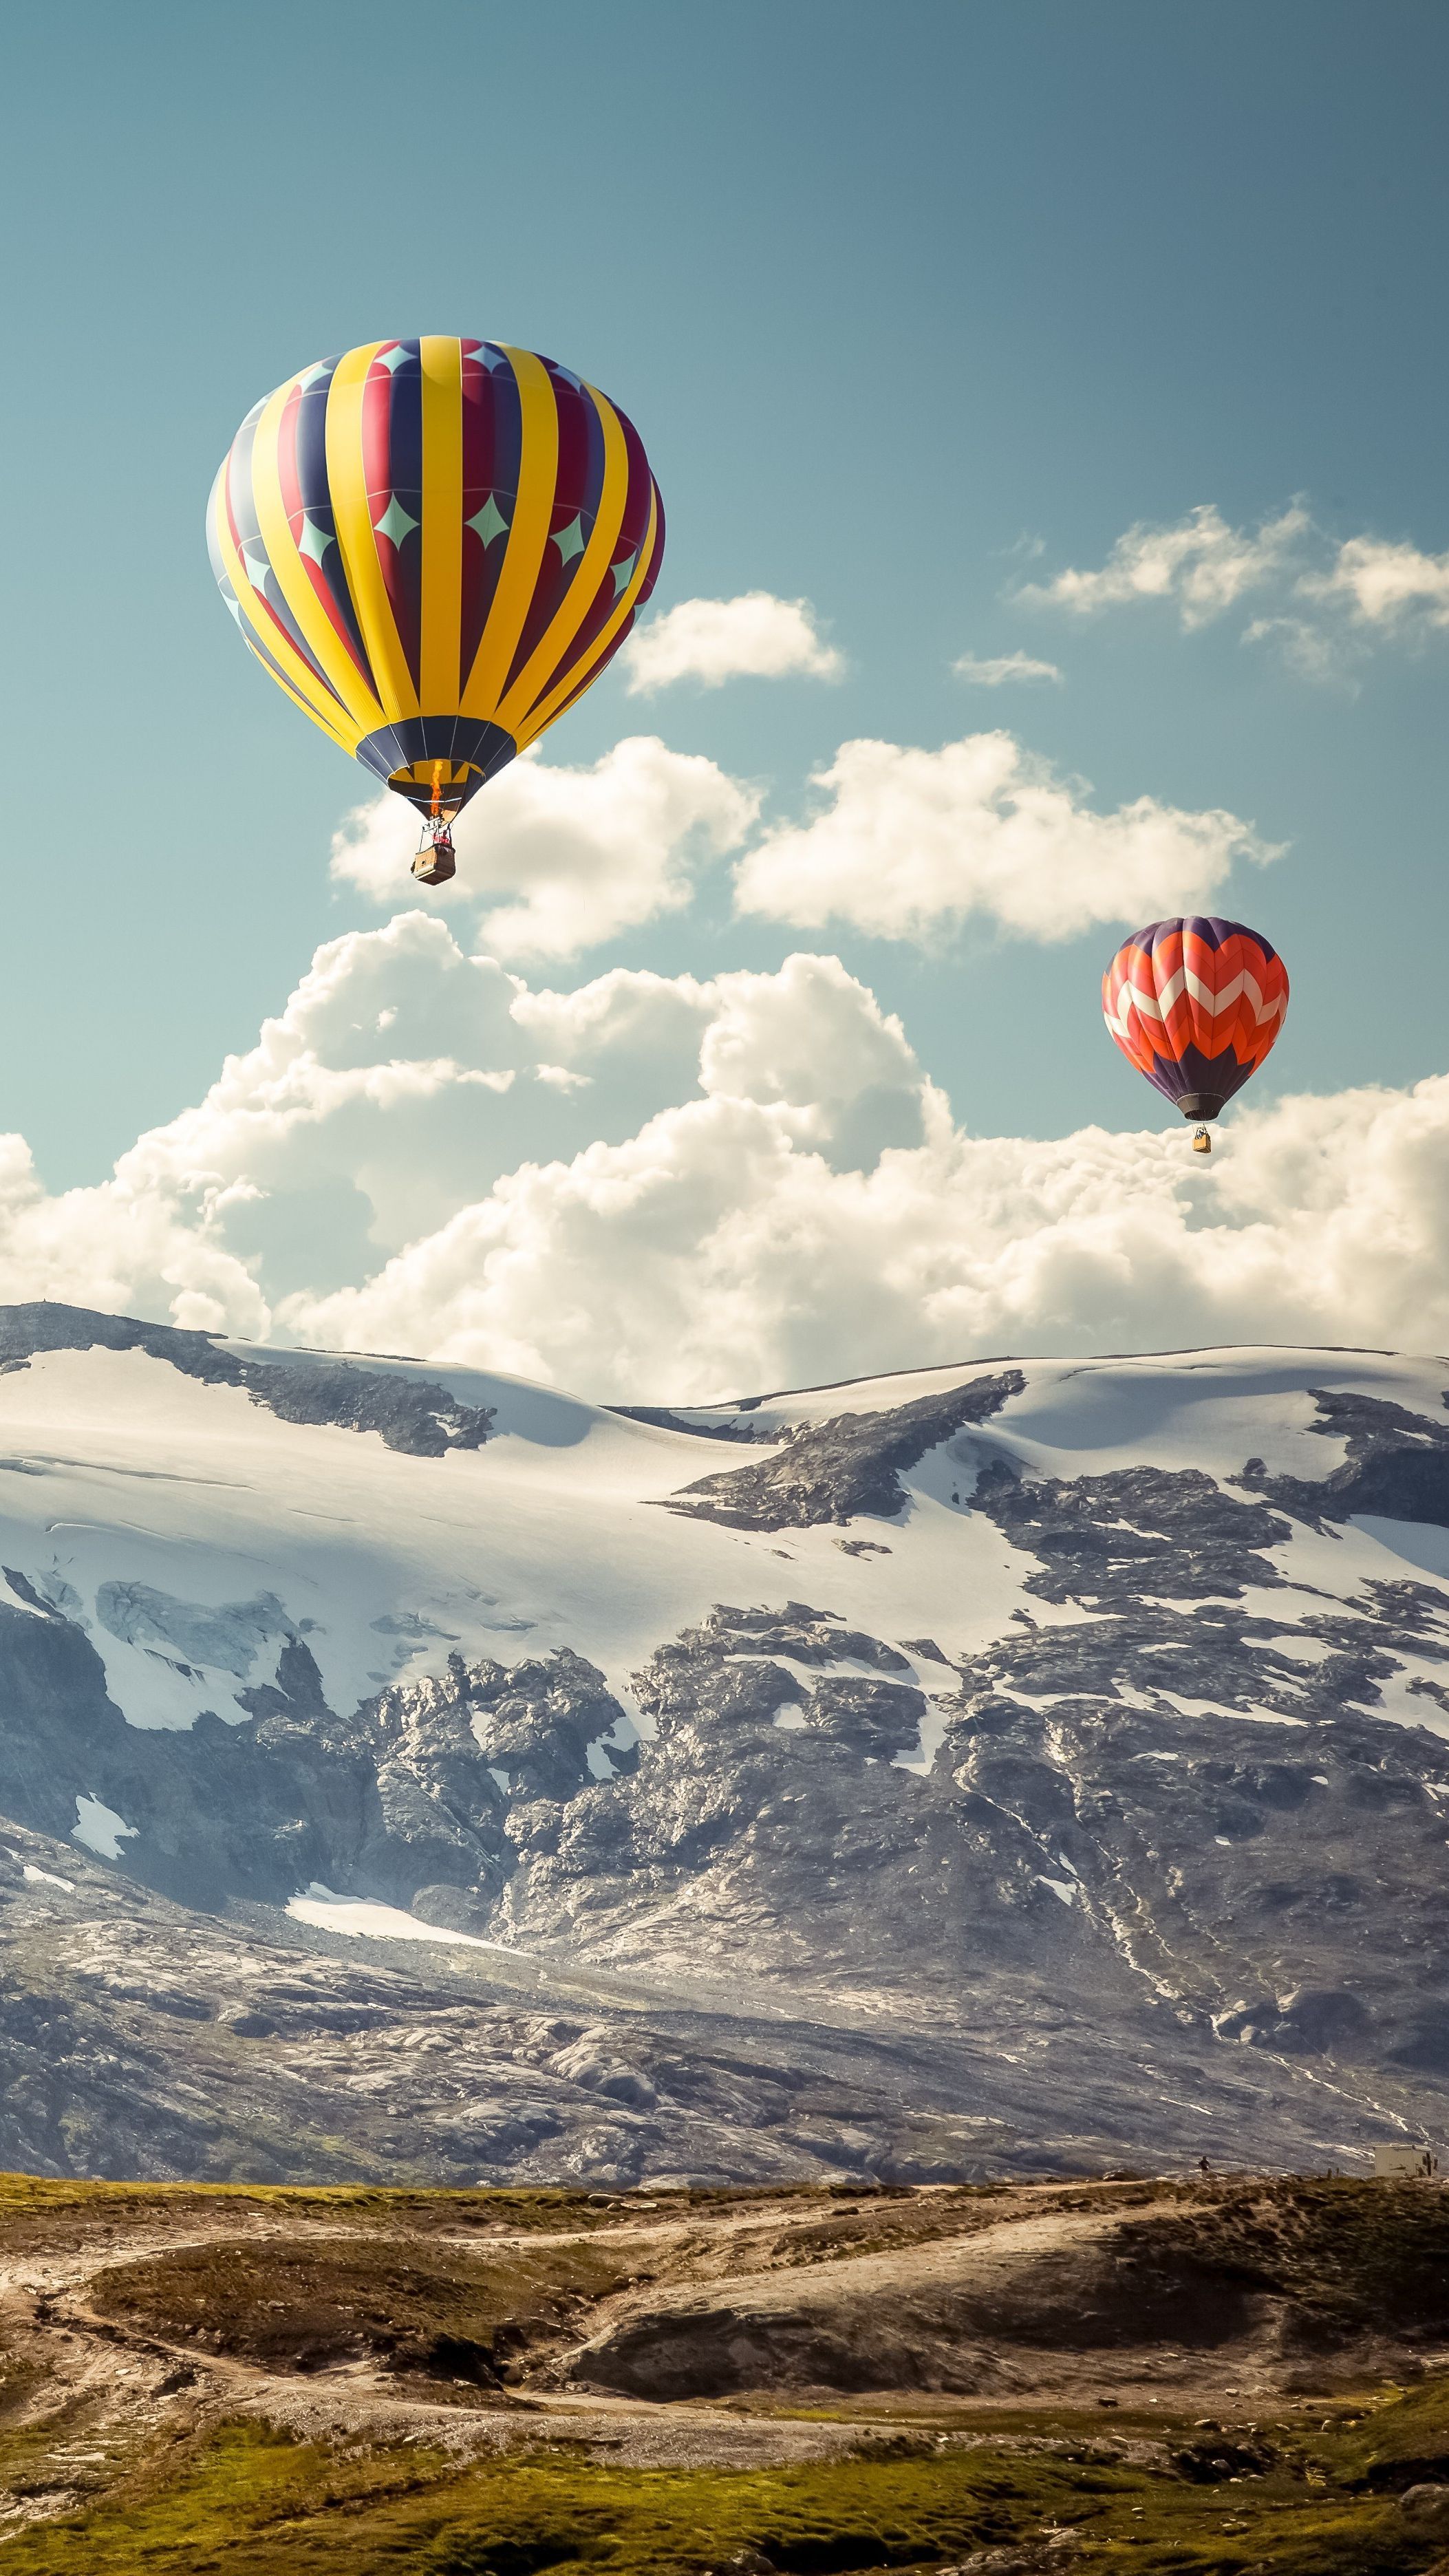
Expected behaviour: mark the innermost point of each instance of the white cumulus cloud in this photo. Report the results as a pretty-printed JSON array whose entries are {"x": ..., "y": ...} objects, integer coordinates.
[
  {"x": 744, "y": 1182},
  {"x": 1200, "y": 563},
  {"x": 712, "y": 640},
  {"x": 561, "y": 859},
  {"x": 912, "y": 843},
  {"x": 715, "y": 1251},
  {"x": 994, "y": 671}
]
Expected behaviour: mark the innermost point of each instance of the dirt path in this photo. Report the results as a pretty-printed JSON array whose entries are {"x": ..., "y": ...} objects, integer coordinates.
[
  {"x": 762, "y": 2267},
  {"x": 138, "y": 2375}
]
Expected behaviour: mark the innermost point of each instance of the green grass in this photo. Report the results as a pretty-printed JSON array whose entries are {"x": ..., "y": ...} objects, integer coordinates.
[
  {"x": 249, "y": 2503},
  {"x": 357, "y": 2269}
]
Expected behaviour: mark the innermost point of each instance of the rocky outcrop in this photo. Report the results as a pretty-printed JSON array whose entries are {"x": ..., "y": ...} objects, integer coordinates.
[
  {"x": 140, "y": 2038},
  {"x": 851, "y": 1464},
  {"x": 1109, "y": 1540},
  {"x": 411, "y": 1413},
  {"x": 1397, "y": 1464},
  {"x": 1156, "y": 1862}
]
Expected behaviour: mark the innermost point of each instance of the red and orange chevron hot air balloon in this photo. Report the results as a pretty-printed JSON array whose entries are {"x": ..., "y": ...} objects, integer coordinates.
[{"x": 1195, "y": 1005}]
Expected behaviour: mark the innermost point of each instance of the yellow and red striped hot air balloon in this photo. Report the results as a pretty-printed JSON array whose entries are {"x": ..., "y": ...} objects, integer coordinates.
[{"x": 434, "y": 546}]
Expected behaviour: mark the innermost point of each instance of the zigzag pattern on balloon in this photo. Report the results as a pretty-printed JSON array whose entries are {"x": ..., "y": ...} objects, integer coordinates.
[{"x": 1195, "y": 1005}]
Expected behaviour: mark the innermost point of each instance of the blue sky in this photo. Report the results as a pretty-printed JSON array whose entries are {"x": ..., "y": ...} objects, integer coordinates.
[
  {"x": 887, "y": 289},
  {"x": 913, "y": 305}
]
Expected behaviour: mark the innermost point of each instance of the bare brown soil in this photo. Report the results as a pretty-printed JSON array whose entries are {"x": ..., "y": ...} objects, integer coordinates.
[{"x": 714, "y": 2332}]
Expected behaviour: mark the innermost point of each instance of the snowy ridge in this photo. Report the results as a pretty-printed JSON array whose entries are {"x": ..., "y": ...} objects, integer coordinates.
[{"x": 1080, "y": 1705}]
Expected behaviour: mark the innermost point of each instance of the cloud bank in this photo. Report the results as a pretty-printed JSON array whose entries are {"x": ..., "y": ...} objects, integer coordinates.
[
  {"x": 914, "y": 843},
  {"x": 713, "y": 640},
  {"x": 909, "y": 845},
  {"x": 657, "y": 1187},
  {"x": 562, "y": 859}
]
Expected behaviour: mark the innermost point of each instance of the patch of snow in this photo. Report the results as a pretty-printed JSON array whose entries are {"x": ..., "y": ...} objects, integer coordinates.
[
  {"x": 360, "y": 1918},
  {"x": 598, "y": 1761},
  {"x": 920, "y": 1757},
  {"x": 1216, "y": 1708},
  {"x": 500, "y": 1779},
  {"x": 1303, "y": 1650},
  {"x": 226, "y": 1639},
  {"x": 1210, "y": 1409},
  {"x": 47, "y": 1878},
  {"x": 213, "y": 1531},
  {"x": 1401, "y": 1704},
  {"x": 948, "y": 1475},
  {"x": 1420, "y": 1543},
  {"x": 100, "y": 1828},
  {"x": 1062, "y": 1887},
  {"x": 790, "y": 1716}
]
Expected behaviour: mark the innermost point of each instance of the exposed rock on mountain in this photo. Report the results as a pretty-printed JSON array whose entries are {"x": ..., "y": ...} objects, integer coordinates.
[
  {"x": 412, "y": 1412},
  {"x": 1397, "y": 1463},
  {"x": 851, "y": 1464},
  {"x": 1036, "y": 1765}
]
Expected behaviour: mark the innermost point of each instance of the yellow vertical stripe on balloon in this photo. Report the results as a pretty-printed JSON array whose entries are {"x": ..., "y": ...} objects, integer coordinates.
[
  {"x": 296, "y": 677},
  {"x": 440, "y": 677},
  {"x": 527, "y": 537},
  {"x": 547, "y": 654},
  {"x": 587, "y": 669},
  {"x": 294, "y": 581},
  {"x": 352, "y": 517}
]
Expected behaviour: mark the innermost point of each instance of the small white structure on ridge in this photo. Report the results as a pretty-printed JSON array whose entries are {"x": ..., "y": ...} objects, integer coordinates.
[{"x": 1405, "y": 2162}]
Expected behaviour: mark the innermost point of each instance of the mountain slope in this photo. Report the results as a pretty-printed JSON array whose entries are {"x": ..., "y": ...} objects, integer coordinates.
[{"x": 1023, "y": 1762}]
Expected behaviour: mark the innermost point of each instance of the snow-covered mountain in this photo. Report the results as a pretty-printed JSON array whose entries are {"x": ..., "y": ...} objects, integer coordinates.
[{"x": 411, "y": 1770}]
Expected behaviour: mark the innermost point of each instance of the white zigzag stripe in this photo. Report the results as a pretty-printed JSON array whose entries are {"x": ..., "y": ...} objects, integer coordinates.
[{"x": 1156, "y": 1006}]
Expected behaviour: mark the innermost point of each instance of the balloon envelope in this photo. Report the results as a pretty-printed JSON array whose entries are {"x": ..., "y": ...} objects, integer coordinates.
[
  {"x": 1195, "y": 1004},
  {"x": 434, "y": 546}
]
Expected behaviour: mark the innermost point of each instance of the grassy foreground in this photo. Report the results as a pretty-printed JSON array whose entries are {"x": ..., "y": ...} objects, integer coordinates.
[
  {"x": 244, "y": 2501},
  {"x": 143, "y": 2398}
]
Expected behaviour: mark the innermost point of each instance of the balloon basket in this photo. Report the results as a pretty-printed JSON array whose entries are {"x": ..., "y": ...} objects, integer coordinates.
[{"x": 436, "y": 861}]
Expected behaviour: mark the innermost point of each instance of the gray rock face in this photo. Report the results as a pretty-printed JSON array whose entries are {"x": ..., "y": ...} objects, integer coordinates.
[
  {"x": 1140, "y": 1853},
  {"x": 1397, "y": 1464},
  {"x": 1146, "y": 1529},
  {"x": 850, "y": 1464}
]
